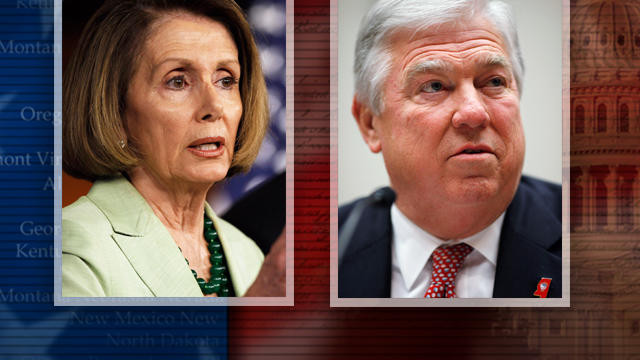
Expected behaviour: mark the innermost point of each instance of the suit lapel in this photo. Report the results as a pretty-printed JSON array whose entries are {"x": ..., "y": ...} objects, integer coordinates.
[
  {"x": 530, "y": 235},
  {"x": 366, "y": 270},
  {"x": 521, "y": 265},
  {"x": 144, "y": 240}
]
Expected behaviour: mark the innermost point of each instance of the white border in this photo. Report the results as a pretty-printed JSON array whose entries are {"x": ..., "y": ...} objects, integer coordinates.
[
  {"x": 59, "y": 300},
  {"x": 335, "y": 301}
]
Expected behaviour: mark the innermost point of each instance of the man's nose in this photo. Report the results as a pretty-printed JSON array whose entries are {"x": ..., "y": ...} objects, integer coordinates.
[
  {"x": 471, "y": 109},
  {"x": 210, "y": 104}
]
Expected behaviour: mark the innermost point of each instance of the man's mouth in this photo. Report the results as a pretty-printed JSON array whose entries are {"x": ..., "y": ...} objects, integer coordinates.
[{"x": 472, "y": 150}]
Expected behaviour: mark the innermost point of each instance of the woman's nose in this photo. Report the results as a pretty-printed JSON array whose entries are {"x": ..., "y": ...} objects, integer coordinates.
[{"x": 211, "y": 104}]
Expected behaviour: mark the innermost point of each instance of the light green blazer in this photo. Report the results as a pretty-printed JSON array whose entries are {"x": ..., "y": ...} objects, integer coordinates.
[{"x": 114, "y": 245}]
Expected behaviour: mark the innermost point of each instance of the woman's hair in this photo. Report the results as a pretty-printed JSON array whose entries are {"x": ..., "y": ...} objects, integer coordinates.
[
  {"x": 387, "y": 17},
  {"x": 97, "y": 77}
]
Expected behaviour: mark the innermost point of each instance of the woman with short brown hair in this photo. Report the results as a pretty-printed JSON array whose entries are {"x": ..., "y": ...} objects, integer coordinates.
[{"x": 162, "y": 99}]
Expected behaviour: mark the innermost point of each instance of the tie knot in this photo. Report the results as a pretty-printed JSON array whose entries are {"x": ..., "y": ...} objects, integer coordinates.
[
  {"x": 455, "y": 253},
  {"x": 446, "y": 263}
]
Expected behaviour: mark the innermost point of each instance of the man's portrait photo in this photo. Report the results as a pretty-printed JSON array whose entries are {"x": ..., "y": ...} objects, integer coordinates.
[{"x": 437, "y": 99}]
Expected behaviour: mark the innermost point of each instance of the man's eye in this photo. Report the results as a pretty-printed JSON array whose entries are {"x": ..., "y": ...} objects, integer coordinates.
[
  {"x": 496, "y": 82},
  {"x": 228, "y": 82},
  {"x": 177, "y": 82},
  {"x": 432, "y": 87}
]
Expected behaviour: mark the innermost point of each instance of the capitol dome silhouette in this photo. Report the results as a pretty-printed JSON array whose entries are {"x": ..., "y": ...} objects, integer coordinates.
[{"x": 604, "y": 47}]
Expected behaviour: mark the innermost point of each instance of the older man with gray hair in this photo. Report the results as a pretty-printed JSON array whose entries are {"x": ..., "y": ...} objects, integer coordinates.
[{"x": 438, "y": 87}]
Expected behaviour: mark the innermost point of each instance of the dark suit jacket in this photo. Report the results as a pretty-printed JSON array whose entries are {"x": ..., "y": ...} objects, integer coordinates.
[
  {"x": 530, "y": 246},
  {"x": 261, "y": 214}
]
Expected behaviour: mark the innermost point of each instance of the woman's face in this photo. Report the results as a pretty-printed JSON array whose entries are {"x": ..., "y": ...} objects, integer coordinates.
[{"x": 183, "y": 104}]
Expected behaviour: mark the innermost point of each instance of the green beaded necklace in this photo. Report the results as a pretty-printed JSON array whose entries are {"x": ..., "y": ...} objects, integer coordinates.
[{"x": 219, "y": 282}]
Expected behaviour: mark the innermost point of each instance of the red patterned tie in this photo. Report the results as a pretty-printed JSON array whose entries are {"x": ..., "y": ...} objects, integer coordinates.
[{"x": 446, "y": 262}]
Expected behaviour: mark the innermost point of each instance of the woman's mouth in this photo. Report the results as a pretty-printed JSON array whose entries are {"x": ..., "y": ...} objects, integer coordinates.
[{"x": 207, "y": 147}]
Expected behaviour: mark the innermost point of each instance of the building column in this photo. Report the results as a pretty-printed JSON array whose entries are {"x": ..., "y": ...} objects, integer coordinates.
[
  {"x": 625, "y": 199},
  {"x": 600, "y": 204},
  {"x": 577, "y": 199}
]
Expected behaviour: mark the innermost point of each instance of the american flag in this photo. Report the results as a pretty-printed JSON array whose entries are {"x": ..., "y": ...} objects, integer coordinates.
[{"x": 267, "y": 20}]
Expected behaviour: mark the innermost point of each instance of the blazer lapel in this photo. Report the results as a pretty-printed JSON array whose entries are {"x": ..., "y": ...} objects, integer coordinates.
[
  {"x": 232, "y": 256},
  {"x": 144, "y": 240},
  {"x": 159, "y": 264},
  {"x": 530, "y": 244}
]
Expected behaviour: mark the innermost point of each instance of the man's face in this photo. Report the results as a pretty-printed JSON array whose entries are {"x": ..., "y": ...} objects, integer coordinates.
[{"x": 450, "y": 130}]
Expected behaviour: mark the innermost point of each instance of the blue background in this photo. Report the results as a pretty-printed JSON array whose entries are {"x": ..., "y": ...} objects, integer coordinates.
[{"x": 30, "y": 326}]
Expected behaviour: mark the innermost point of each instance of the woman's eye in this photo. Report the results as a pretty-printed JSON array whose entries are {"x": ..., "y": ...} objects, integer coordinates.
[
  {"x": 496, "y": 82},
  {"x": 433, "y": 86},
  {"x": 228, "y": 82},
  {"x": 177, "y": 82}
]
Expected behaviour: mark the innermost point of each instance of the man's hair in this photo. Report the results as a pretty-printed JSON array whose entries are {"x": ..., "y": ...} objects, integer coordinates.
[
  {"x": 388, "y": 17},
  {"x": 97, "y": 77}
]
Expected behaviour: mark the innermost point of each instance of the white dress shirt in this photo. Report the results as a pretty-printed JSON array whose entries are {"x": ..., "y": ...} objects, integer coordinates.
[{"x": 411, "y": 264}]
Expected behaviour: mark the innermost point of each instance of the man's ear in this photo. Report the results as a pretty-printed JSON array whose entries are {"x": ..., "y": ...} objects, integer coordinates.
[{"x": 366, "y": 121}]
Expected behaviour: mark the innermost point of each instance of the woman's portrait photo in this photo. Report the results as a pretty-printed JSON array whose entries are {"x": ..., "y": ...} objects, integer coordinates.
[{"x": 163, "y": 100}]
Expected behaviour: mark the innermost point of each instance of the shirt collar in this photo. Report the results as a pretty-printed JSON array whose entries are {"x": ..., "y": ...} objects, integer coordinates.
[{"x": 412, "y": 246}]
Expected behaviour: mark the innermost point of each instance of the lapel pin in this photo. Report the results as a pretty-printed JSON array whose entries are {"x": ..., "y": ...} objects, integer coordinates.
[{"x": 543, "y": 287}]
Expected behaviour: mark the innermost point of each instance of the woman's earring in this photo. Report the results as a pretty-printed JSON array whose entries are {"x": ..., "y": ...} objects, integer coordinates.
[{"x": 122, "y": 143}]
